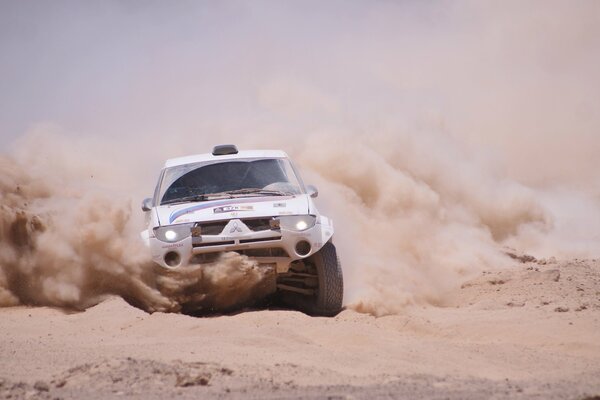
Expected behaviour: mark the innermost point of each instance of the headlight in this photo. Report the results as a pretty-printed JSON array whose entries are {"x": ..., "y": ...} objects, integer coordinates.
[
  {"x": 173, "y": 233},
  {"x": 297, "y": 222}
]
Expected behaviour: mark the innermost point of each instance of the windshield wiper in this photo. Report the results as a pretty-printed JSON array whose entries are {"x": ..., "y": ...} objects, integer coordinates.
[
  {"x": 186, "y": 199},
  {"x": 258, "y": 191}
]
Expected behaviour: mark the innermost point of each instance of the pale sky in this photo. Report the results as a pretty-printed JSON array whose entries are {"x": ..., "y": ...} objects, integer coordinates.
[{"x": 514, "y": 76}]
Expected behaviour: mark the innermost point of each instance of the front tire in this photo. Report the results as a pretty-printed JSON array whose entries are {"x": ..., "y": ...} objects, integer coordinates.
[
  {"x": 327, "y": 300},
  {"x": 314, "y": 285}
]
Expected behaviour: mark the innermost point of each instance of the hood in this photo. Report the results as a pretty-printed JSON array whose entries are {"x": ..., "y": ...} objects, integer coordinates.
[{"x": 243, "y": 207}]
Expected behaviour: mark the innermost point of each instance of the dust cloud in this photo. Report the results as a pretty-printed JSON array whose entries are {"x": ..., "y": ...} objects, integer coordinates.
[
  {"x": 439, "y": 135},
  {"x": 412, "y": 221},
  {"x": 66, "y": 244}
]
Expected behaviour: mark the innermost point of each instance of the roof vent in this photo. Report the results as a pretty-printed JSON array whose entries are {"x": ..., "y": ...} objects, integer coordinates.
[{"x": 224, "y": 149}]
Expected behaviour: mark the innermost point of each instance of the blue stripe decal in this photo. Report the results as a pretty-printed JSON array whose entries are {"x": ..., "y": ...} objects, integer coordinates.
[{"x": 176, "y": 214}]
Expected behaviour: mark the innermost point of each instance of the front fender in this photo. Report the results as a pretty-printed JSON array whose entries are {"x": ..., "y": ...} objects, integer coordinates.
[{"x": 326, "y": 228}]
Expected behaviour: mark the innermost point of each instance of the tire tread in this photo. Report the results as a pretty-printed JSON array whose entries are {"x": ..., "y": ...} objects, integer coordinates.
[{"x": 331, "y": 282}]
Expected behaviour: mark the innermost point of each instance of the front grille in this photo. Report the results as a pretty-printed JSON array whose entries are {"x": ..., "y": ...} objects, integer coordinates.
[
  {"x": 207, "y": 258},
  {"x": 268, "y": 252},
  {"x": 208, "y": 244},
  {"x": 216, "y": 227},
  {"x": 212, "y": 228},
  {"x": 260, "y": 240},
  {"x": 258, "y": 224}
]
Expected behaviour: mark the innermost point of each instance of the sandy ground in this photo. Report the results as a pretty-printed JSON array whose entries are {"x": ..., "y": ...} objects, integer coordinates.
[{"x": 528, "y": 332}]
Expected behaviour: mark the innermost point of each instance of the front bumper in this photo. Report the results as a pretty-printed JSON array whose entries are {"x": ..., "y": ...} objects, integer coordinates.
[{"x": 278, "y": 247}]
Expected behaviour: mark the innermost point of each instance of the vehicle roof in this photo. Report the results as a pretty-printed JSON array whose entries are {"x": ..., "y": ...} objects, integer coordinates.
[{"x": 173, "y": 162}]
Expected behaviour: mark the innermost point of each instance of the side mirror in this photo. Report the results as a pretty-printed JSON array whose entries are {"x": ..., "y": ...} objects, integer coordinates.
[
  {"x": 147, "y": 204},
  {"x": 312, "y": 191}
]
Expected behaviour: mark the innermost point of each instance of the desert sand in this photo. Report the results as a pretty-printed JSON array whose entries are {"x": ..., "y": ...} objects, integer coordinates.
[{"x": 527, "y": 332}]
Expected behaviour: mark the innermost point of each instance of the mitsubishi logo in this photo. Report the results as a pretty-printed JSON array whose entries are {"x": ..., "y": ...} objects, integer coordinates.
[{"x": 235, "y": 228}]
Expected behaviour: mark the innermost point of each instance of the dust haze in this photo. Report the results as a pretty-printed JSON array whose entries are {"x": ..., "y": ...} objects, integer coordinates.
[
  {"x": 439, "y": 136},
  {"x": 68, "y": 239}
]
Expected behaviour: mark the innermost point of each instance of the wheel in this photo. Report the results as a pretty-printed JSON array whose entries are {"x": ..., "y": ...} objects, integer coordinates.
[
  {"x": 328, "y": 299},
  {"x": 322, "y": 290}
]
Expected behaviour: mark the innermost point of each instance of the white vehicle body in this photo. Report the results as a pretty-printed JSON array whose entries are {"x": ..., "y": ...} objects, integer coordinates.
[{"x": 273, "y": 228}]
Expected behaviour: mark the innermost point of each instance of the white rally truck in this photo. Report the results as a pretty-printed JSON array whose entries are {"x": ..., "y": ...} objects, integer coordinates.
[{"x": 253, "y": 203}]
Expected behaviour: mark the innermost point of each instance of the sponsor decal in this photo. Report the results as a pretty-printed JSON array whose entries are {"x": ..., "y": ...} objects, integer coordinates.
[
  {"x": 279, "y": 205},
  {"x": 171, "y": 246},
  {"x": 285, "y": 213},
  {"x": 226, "y": 209}
]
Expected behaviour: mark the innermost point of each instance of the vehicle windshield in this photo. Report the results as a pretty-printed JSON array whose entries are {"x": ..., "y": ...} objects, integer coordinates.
[{"x": 240, "y": 177}]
